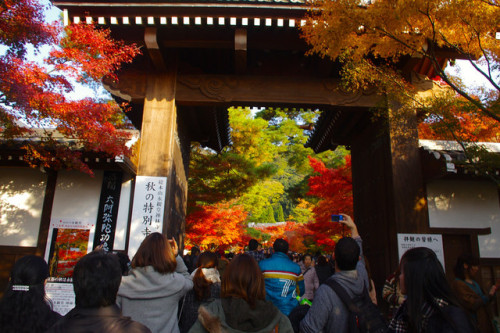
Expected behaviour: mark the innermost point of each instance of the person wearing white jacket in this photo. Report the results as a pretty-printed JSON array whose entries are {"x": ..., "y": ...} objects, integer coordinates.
[{"x": 159, "y": 278}]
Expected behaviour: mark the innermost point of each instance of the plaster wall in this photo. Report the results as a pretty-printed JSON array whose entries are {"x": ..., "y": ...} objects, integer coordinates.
[
  {"x": 77, "y": 195},
  {"x": 22, "y": 193},
  {"x": 123, "y": 214},
  {"x": 467, "y": 204}
]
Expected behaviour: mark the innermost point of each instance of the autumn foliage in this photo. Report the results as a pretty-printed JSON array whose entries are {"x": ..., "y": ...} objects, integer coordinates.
[
  {"x": 456, "y": 121},
  {"x": 333, "y": 187},
  {"x": 294, "y": 233},
  {"x": 34, "y": 94},
  {"x": 218, "y": 225},
  {"x": 374, "y": 39}
]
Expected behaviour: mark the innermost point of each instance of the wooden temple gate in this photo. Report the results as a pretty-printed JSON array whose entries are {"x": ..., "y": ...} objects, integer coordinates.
[{"x": 200, "y": 57}]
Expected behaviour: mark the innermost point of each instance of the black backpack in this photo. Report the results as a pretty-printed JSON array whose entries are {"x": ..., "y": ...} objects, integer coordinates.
[{"x": 364, "y": 316}]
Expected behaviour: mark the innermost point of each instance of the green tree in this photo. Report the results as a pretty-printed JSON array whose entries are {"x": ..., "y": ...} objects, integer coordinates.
[
  {"x": 249, "y": 136},
  {"x": 217, "y": 177},
  {"x": 303, "y": 212},
  {"x": 267, "y": 216},
  {"x": 279, "y": 216},
  {"x": 259, "y": 197}
]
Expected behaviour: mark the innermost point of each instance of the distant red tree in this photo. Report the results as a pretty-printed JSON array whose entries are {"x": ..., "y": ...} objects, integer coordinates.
[
  {"x": 334, "y": 189},
  {"x": 219, "y": 225},
  {"x": 294, "y": 233}
]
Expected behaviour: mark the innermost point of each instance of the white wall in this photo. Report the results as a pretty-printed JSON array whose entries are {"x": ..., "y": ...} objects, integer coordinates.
[
  {"x": 22, "y": 191},
  {"x": 122, "y": 218},
  {"x": 467, "y": 204},
  {"x": 77, "y": 195}
]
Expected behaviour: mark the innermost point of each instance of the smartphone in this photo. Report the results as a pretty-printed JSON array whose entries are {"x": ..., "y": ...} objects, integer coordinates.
[{"x": 336, "y": 218}]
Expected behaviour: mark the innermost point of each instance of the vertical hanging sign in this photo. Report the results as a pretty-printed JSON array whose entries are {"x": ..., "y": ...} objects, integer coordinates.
[
  {"x": 148, "y": 209},
  {"x": 108, "y": 210}
]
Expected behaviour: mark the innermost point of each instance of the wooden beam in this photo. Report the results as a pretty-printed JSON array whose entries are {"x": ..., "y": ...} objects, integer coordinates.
[
  {"x": 205, "y": 89},
  {"x": 240, "y": 50},
  {"x": 150, "y": 39},
  {"x": 224, "y": 89},
  {"x": 460, "y": 231}
]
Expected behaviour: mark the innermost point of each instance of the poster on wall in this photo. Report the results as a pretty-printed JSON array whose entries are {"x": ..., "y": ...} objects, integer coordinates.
[
  {"x": 68, "y": 240},
  {"x": 431, "y": 241},
  {"x": 147, "y": 211}
]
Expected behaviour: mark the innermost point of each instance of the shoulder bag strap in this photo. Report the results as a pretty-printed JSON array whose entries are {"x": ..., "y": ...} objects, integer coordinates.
[{"x": 342, "y": 294}]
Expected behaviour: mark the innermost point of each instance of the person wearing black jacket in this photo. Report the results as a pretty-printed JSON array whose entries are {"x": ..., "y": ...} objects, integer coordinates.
[{"x": 96, "y": 280}]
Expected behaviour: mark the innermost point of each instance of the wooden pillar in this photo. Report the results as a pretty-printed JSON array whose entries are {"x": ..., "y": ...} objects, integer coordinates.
[
  {"x": 160, "y": 152},
  {"x": 388, "y": 187},
  {"x": 373, "y": 199},
  {"x": 410, "y": 203},
  {"x": 159, "y": 122}
]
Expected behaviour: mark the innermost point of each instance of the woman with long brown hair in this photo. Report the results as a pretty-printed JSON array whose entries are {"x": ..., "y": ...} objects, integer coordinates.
[
  {"x": 243, "y": 306},
  {"x": 206, "y": 280},
  {"x": 159, "y": 278}
]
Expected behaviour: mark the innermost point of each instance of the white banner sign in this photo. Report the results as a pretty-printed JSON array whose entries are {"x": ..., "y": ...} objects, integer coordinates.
[
  {"x": 148, "y": 210},
  {"x": 431, "y": 241}
]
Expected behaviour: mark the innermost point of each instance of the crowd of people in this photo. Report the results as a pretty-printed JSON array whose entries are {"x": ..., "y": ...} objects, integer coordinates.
[{"x": 160, "y": 291}]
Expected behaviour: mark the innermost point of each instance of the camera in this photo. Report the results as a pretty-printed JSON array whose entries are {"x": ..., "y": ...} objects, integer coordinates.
[{"x": 336, "y": 218}]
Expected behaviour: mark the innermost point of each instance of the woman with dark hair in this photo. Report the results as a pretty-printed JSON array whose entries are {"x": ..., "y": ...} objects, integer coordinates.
[
  {"x": 243, "y": 306},
  {"x": 323, "y": 269},
  {"x": 24, "y": 306},
  {"x": 158, "y": 279},
  {"x": 206, "y": 280},
  {"x": 430, "y": 305},
  {"x": 470, "y": 294}
]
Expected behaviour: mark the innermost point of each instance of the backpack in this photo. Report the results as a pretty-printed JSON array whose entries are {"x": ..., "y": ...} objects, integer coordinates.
[
  {"x": 364, "y": 316},
  {"x": 297, "y": 314}
]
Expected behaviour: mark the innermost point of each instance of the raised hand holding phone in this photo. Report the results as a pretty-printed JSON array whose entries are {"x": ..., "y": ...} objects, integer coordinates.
[
  {"x": 173, "y": 245},
  {"x": 348, "y": 222}
]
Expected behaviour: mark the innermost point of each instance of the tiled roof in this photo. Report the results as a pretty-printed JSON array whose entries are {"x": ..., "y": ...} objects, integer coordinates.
[{"x": 449, "y": 153}]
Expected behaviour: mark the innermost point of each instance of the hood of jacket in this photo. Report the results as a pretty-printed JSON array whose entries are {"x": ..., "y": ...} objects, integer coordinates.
[
  {"x": 353, "y": 281},
  {"x": 146, "y": 283},
  {"x": 236, "y": 315}
]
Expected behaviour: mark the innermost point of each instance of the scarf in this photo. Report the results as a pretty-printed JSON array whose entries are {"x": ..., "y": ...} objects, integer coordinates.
[{"x": 211, "y": 274}]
